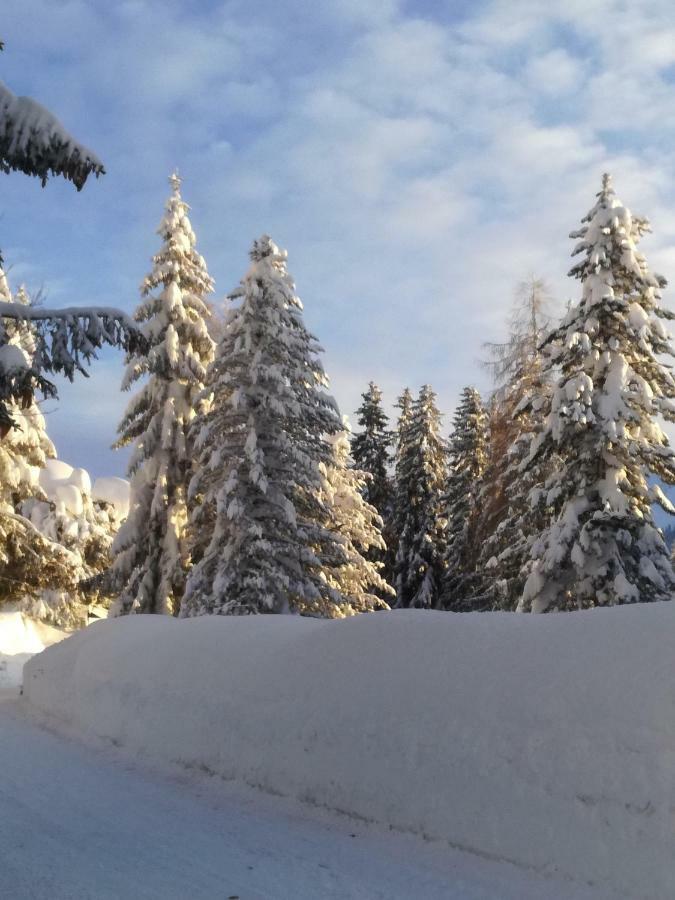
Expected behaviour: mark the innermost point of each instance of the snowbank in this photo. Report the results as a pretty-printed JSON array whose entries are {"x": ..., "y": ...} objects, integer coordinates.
[
  {"x": 114, "y": 491},
  {"x": 545, "y": 740},
  {"x": 21, "y": 638}
]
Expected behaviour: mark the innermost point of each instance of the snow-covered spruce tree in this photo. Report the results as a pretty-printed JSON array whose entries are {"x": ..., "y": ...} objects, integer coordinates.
[
  {"x": 421, "y": 473},
  {"x": 358, "y": 523},
  {"x": 602, "y": 546},
  {"x": 466, "y": 464},
  {"x": 401, "y": 489},
  {"x": 150, "y": 551},
  {"x": 261, "y": 542},
  {"x": 371, "y": 450}
]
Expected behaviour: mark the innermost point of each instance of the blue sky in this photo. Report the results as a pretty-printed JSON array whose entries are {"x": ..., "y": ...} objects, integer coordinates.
[{"x": 417, "y": 160}]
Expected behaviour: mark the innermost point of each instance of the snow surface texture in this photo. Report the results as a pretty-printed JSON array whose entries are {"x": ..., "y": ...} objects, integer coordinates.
[
  {"x": 81, "y": 823},
  {"x": 548, "y": 741},
  {"x": 21, "y": 638}
]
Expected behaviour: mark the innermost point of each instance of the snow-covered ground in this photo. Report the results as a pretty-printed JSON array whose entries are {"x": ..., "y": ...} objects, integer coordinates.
[
  {"x": 548, "y": 741},
  {"x": 82, "y": 822}
]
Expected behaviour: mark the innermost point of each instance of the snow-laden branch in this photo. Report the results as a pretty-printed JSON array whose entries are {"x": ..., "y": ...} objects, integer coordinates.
[
  {"x": 67, "y": 338},
  {"x": 21, "y": 311},
  {"x": 64, "y": 340},
  {"x": 33, "y": 141}
]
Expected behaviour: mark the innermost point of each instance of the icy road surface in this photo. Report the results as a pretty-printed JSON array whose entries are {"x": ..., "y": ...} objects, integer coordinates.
[{"x": 81, "y": 822}]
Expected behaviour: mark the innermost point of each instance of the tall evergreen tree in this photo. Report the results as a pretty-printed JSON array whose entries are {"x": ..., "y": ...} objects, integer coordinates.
[
  {"x": 348, "y": 514},
  {"x": 261, "y": 541},
  {"x": 400, "y": 489},
  {"x": 371, "y": 450},
  {"x": 467, "y": 460},
  {"x": 602, "y": 546},
  {"x": 151, "y": 556},
  {"x": 421, "y": 472}
]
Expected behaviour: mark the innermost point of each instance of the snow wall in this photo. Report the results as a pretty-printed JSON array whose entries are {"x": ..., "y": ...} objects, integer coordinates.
[{"x": 545, "y": 740}]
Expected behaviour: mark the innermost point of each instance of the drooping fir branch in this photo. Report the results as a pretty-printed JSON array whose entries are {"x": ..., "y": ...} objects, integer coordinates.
[
  {"x": 33, "y": 141},
  {"x": 65, "y": 341}
]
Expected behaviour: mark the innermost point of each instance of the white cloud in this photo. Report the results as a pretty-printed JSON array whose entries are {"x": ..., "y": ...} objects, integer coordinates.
[
  {"x": 416, "y": 170},
  {"x": 555, "y": 72}
]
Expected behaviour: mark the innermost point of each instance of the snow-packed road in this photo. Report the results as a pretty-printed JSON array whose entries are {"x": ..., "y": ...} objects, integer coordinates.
[{"x": 80, "y": 822}]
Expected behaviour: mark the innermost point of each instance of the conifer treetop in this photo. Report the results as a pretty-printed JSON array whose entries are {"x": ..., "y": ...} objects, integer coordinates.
[
  {"x": 371, "y": 448},
  {"x": 175, "y": 181},
  {"x": 602, "y": 418},
  {"x": 178, "y": 261},
  {"x": 404, "y": 404},
  {"x": 370, "y": 414},
  {"x": 612, "y": 266},
  {"x": 174, "y": 318},
  {"x": 467, "y": 443}
]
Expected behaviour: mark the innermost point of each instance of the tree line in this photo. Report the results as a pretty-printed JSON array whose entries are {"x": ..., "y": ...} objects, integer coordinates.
[
  {"x": 542, "y": 499},
  {"x": 247, "y": 500}
]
